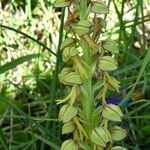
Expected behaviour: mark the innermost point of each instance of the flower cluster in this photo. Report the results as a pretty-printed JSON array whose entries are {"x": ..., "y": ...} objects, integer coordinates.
[{"x": 89, "y": 61}]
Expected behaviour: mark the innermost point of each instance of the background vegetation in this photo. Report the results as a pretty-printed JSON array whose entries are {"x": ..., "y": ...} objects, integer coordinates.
[{"x": 30, "y": 61}]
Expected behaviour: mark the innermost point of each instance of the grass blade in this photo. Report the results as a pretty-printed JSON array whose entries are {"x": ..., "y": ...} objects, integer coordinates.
[
  {"x": 28, "y": 36},
  {"x": 2, "y": 140},
  {"x": 52, "y": 145},
  {"x": 144, "y": 64},
  {"x": 16, "y": 62}
]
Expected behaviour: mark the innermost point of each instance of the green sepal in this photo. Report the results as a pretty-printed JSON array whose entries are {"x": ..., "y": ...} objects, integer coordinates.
[
  {"x": 69, "y": 52},
  {"x": 67, "y": 42},
  {"x": 99, "y": 7},
  {"x": 69, "y": 77},
  {"x": 103, "y": 23},
  {"x": 70, "y": 112},
  {"x": 68, "y": 127},
  {"x": 62, "y": 111},
  {"x": 108, "y": 63},
  {"x": 119, "y": 148},
  {"x": 61, "y": 3},
  {"x": 113, "y": 84},
  {"x": 110, "y": 45},
  {"x": 117, "y": 133},
  {"x": 100, "y": 136},
  {"x": 85, "y": 23},
  {"x": 80, "y": 30},
  {"x": 83, "y": 146},
  {"x": 112, "y": 112},
  {"x": 69, "y": 145}
]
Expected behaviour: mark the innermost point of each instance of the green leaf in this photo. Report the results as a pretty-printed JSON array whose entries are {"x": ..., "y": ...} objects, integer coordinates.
[
  {"x": 48, "y": 142},
  {"x": 108, "y": 63},
  {"x": 99, "y": 7},
  {"x": 61, "y": 3},
  {"x": 16, "y": 62}
]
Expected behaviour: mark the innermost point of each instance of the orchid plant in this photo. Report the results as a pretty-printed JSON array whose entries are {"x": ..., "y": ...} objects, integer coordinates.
[{"x": 89, "y": 61}]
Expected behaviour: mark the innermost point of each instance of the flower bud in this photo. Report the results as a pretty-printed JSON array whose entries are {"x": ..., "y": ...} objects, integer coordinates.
[
  {"x": 112, "y": 112},
  {"x": 108, "y": 63},
  {"x": 118, "y": 148},
  {"x": 68, "y": 127},
  {"x": 117, "y": 133},
  {"x": 69, "y": 145},
  {"x": 67, "y": 112},
  {"x": 100, "y": 136}
]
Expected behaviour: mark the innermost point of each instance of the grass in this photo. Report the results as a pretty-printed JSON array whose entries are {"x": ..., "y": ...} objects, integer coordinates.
[{"x": 31, "y": 61}]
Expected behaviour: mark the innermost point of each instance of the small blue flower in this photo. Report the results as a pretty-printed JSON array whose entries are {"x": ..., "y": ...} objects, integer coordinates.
[{"x": 114, "y": 101}]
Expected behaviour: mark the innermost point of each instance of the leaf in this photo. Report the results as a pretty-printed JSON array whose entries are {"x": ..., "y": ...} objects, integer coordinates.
[
  {"x": 48, "y": 142},
  {"x": 16, "y": 62},
  {"x": 99, "y": 7},
  {"x": 108, "y": 63}
]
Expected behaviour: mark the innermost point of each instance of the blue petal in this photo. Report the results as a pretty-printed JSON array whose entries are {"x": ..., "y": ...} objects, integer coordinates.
[{"x": 114, "y": 101}]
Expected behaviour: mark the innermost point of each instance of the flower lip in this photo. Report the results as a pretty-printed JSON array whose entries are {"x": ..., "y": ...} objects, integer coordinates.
[{"x": 114, "y": 101}]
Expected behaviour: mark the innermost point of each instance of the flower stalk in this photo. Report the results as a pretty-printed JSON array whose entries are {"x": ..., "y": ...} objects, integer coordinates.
[{"x": 89, "y": 61}]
